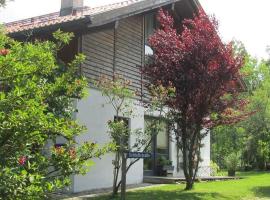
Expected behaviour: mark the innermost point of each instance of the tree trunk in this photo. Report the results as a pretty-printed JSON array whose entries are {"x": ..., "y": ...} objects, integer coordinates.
[
  {"x": 190, "y": 178},
  {"x": 177, "y": 154},
  {"x": 115, "y": 174},
  {"x": 190, "y": 150},
  {"x": 189, "y": 183},
  {"x": 123, "y": 177},
  {"x": 186, "y": 161}
]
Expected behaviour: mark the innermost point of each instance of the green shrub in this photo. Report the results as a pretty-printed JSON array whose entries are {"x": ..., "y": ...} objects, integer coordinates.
[
  {"x": 232, "y": 163},
  {"x": 37, "y": 96},
  {"x": 214, "y": 168}
]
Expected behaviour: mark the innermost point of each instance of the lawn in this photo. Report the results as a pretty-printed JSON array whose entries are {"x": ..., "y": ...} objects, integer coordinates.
[{"x": 253, "y": 186}]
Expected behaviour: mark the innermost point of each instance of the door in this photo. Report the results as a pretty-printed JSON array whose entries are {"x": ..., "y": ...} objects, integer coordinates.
[{"x": 159, "y": 147}]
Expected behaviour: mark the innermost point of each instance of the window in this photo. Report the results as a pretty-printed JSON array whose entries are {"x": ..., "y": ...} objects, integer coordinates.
[
  {"x": 150, "y": 25},
  {"x": 163, "y": 141}
]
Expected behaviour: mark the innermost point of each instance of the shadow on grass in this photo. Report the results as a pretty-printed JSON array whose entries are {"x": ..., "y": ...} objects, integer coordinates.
[
  {"x": 262, "y": 191},
  {"x": 165, "y": 195}
]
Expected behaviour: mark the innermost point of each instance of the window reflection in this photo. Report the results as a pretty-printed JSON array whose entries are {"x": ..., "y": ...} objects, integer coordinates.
[{"x": 149, "y": 28}]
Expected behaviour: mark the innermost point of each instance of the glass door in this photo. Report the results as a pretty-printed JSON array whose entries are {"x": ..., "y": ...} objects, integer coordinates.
[{"x": 159, "y": 148}]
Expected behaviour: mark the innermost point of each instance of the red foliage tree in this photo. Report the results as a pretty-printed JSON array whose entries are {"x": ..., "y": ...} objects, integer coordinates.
[{"x": 205, "y": 74}]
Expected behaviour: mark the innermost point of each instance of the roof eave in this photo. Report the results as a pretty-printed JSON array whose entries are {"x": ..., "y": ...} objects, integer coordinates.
[
  {"x": 69, "y": 25},
  {"x": 105, "y": 17},
  {"x": 134, "y": 9}
]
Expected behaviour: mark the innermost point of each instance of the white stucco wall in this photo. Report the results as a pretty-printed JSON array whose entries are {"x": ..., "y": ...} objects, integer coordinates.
[
  {"x": 94, "y": 112},
  {"x": 204, "y": 169},
  {"x": 204, "y": 166}
]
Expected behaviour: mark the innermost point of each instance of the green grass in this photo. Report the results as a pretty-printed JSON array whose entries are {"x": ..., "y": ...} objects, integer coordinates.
[{"x": 253, "y": 186}]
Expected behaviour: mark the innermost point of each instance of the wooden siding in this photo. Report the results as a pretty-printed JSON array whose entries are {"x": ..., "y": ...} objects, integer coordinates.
[
  {"x": 129, "y": 49},
  {"x": 99, "y": 50},
  {"x": 115, "y": 51}
]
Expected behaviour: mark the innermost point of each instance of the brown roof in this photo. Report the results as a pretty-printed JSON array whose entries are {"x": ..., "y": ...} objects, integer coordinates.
[{"x": 54, "y": 18}]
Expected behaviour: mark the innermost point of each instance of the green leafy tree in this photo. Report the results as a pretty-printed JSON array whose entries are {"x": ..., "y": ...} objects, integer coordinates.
[
  {"x": 257, "y": 127},
  {"x": 251, "y": 137},
  {"x": 224, "y": 141},
  {"x": 121, "y": 97},
  {"x": 37, "y": 98}
]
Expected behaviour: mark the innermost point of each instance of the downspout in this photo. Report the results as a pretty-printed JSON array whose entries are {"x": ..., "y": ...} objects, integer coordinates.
[{"x": 114, "y": 47}]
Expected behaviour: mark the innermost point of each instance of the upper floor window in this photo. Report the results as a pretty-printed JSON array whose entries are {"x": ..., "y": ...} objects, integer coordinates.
[{"x": 150, "y": 26}]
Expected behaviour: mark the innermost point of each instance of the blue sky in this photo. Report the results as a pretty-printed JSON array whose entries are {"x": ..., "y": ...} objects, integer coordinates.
[{"x": 245, "y": 20}]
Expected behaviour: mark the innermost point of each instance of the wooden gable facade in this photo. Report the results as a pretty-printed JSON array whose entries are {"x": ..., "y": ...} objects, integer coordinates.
[{"x": 117, "y": 49}]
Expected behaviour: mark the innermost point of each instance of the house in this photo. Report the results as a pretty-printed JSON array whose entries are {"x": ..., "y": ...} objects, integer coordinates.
[{"x": 114, "y": 40}]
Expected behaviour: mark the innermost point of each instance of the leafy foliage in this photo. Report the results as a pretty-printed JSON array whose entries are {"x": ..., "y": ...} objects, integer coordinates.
[
  {"x": 257, "y": 127},
  {"x": 214, "y": 168},
  {"x": 205, "y": 74},
  {"x": 232, "y": 161},
  {"x": 225, "y": 140},
  {"x": 36, "y": 112},
  {"x": 250, "y": 137}
]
